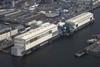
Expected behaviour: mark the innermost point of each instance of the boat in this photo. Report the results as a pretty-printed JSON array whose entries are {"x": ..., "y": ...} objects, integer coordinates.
[{"x": 80, "y": 53}]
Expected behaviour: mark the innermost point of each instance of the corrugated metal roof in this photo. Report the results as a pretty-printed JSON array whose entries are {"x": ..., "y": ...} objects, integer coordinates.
[
  {"x": 78, "y": 18},
  {"x": 4, "y": 28}
]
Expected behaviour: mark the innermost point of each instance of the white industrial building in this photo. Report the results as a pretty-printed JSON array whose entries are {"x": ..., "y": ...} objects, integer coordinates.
[{"x": 33, "y": 38}]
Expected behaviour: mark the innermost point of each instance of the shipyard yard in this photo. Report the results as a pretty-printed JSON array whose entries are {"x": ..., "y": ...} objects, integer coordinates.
[
  {"x": 48, "y": 34},
  {"x": 60, "y": 52}
]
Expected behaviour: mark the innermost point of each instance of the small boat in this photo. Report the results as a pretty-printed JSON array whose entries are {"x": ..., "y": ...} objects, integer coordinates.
[
  {"x": 91, "y": 41},
  {"x": 80, "y": 53}
]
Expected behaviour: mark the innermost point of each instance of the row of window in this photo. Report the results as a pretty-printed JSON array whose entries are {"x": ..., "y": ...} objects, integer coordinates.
[{"x": 38, "y": 37}]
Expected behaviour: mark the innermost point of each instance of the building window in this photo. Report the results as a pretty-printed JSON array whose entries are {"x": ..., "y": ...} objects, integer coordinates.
[
  {"x": 34, "y": 39},
  {"x": 50, "y": 31},
  {"x": 38, "y": 37}
]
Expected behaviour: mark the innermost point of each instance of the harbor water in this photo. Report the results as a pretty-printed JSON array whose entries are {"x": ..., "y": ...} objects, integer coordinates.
[{"x": 60, "y": 52}]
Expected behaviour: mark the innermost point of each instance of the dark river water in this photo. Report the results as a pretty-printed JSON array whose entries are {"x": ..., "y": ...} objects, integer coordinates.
[{"x": 60, "y": 52}]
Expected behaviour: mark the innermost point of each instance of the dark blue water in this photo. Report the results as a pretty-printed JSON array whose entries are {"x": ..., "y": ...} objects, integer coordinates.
[{"x": 59, "y": 53}]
